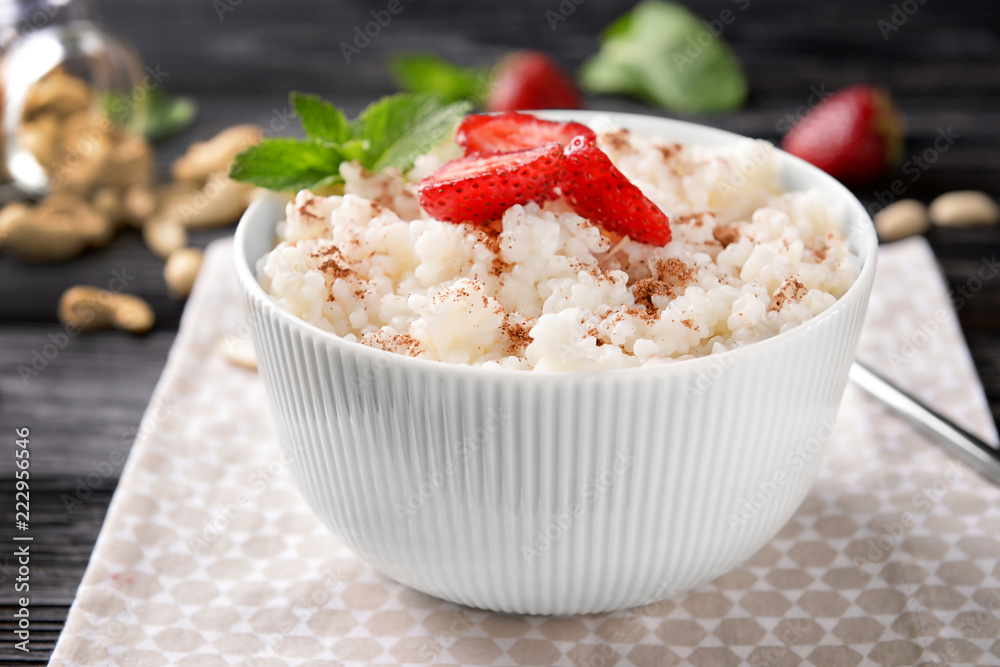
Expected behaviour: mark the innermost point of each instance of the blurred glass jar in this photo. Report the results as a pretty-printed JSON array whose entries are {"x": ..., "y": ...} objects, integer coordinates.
[{"x": 70, "y": 94}]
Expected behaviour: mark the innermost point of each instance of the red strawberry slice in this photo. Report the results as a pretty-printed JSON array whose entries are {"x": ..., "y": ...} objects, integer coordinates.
[
  {"x": 855, "y": 135},
  {"x": 599, "y": 192},
  {"x": 479, "y": 188},
  {"x": 531, "y": 80},
  {"x": 512, "y": 131}
]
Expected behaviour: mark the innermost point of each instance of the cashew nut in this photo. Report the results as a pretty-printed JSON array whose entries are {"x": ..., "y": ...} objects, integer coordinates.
[
  {"x": 964, "y": 208},
  {"x": 906, "y": 217},
  {"x": 91, "y": 308},
  {"x": 204, "y": 158},
  {"x": 163, "y": 236},
  {"x": 181, "y": 270}
]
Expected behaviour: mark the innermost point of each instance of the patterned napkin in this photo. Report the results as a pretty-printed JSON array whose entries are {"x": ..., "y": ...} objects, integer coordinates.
[{"x": 209, "y": 556}]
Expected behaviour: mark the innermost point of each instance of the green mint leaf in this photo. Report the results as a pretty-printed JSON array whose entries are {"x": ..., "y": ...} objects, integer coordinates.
[
  {"x": 391, "y": 132},
  {"x": 287, "y": 164},
  {"x": 355, "y": 149},
  {"x": 401, "y": 127},
  {"x": 658, "y": 52},
  {"x": 168, "y": 115},
  {"x": 156, "y": 115},
  {"x": 320, "y": 119},
  {"x": 425, "y": 73}
]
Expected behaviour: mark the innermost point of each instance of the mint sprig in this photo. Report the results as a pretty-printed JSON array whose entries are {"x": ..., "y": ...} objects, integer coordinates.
[
  {"x": 662, "y": 53},
  {"x": 426, "y": 73},
  {"x": 320, "y": 119},
  {"x": 390, "y": 132}
]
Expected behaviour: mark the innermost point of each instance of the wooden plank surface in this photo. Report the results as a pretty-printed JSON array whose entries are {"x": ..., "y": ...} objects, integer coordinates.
[{"x": 943, "y": 66}]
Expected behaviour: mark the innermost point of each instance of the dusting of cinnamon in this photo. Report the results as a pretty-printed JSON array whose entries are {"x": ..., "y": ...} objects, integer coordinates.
[
  {"x": 689, "y": 323},
  {"x": 390, "y": 341},
  {"x": 326, "y": 251},
  {"x": 671, "y": 274},
  {"x": 617, "y": 139},
  {"x": 726, "y": 235},
  {"x": 489, "y": 235},
  {"x": 669, "y": 150},
  {"x": 648, "y": 316},
  {"x": 304, "y": 209},
  {"x": 693, "y": 219},
  {"x": 646, "y": 288},
  {"x": 518, "y": 333},
  {"x": 498, "y": 267},
  {"x": 792, "y": 290},
  {"x": 599, "y": 273},
  {"x": 673, "y": 270},
  {"x": 335, "y": 269},
  {"x": 334, "y": 263},
  {"x": 592, "y": 331}
]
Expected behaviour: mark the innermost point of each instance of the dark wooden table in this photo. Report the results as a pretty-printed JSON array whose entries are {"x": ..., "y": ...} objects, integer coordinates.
[{"x": 239, "y": 59}]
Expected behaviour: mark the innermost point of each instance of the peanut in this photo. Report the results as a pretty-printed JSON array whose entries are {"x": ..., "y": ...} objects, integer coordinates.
[
  {"x": 964, "y": 208},
  {"x": 221, "y": 201},
  {"x": 11, "y": 216},
  {"x": 57, "y": 229},
  {"x": 207, "y": 157},
  {"x": 907, "y": 217},
  {"x": 239, "y": 351},
  {"x": 138, "y": 204},
  {"x": 60, "y": 93},
  {"x": 130, "y": 161},
  {"x": 95, "y": 228},
  {"x": 40, "y": 138},
  {"x": 181, "y": 270},
  {"x": 163, "y": 236},
  {"x": 108, "y": 201},
  {"x": 91, "y": 308}
]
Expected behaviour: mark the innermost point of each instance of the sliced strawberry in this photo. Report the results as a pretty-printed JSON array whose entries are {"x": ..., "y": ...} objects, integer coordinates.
[
  {"x": 531, "y": 80},
  {"x": 478, "y": 188},
  {"x": 599, "y": 192},
  {"x": 512, "y": 131}
]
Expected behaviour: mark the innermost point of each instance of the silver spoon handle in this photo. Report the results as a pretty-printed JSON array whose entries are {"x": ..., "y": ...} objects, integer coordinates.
[{"x": 975, "y": 452}]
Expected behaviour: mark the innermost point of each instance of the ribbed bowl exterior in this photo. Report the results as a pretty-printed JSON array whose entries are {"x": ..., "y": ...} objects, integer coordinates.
[{"x": 553, "y": 493}]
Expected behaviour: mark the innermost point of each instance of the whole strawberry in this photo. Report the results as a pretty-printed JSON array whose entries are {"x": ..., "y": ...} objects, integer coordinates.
[
  {"x": 855, "y": 135},
  {"x": 531, "y": 80}
]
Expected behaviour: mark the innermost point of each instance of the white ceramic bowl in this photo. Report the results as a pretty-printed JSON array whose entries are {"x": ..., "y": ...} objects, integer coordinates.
[{"x": 557, "y": 493}]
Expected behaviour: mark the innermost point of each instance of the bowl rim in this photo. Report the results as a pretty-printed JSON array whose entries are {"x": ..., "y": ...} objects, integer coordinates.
[{"x": 862, "y": 238}]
